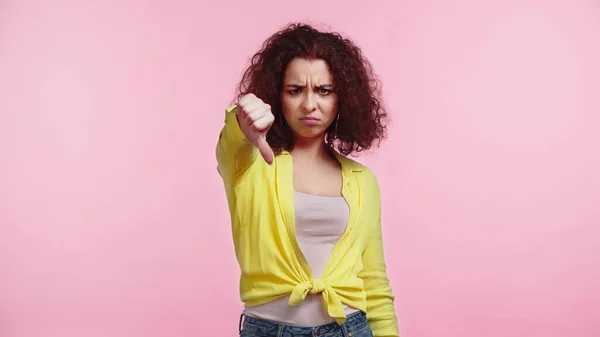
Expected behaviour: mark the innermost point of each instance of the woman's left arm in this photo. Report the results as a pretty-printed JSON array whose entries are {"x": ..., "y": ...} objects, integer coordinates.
[{"x": 380, "y": 300}]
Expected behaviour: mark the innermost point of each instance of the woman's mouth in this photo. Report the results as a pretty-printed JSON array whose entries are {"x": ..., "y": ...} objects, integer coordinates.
[{"x": 310, "y": 121}]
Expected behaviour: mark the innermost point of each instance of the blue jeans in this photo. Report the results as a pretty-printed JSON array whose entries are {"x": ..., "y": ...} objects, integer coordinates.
[{"x": 355, "y": 326}]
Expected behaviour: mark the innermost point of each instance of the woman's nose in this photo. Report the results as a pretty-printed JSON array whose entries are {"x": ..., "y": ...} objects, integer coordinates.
[{"x": 309, "y": 102}]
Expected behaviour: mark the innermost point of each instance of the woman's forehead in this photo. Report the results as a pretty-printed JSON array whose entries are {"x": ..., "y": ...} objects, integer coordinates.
[{"x": 304, "y": 71}]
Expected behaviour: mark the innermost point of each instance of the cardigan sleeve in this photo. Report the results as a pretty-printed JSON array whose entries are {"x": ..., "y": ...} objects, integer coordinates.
[
  {"x": 234, "y": 152},
  {"x": 380, "y": 300}
]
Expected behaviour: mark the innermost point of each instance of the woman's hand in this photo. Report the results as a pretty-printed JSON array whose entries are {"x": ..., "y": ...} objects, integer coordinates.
[{"x": 255, "y": 119}]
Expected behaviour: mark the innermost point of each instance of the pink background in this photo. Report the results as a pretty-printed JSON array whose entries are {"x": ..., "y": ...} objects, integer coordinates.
[{"x": 113, "y": 219}]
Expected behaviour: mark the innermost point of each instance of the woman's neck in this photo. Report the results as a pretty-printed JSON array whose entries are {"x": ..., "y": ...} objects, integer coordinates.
[{"x": 311, "y": 150}]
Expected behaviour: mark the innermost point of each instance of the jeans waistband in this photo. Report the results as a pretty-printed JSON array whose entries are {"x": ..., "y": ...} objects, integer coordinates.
[{"x": 353, "y": 322}]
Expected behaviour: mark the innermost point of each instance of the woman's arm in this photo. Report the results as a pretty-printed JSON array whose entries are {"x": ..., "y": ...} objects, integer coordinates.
[
  {"x": 243, "y": 137},
  {"x": 235, "y": 153},
  {"x": 380, "y": 300}
]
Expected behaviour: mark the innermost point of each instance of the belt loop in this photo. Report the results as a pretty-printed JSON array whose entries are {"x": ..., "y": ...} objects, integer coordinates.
[
  {"x": 240, "y": 324},
  {"x": 280, "y": 330}
]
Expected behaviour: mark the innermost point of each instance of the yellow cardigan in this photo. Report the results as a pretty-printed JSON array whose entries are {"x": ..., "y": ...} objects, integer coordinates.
[{"x": 260, "y": 198}]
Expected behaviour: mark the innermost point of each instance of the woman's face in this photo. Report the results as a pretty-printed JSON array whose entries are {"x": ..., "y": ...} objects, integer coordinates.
[{"x": 308, "y": 98}]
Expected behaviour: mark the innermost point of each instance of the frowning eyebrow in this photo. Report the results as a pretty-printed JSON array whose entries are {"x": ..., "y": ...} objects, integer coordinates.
[{"x": 299, "y": 86}]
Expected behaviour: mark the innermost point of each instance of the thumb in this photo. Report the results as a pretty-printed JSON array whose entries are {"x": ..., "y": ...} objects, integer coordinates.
[{"x": 265, "y": 149}]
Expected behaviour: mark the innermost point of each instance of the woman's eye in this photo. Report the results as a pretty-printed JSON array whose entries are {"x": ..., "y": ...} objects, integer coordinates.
[
  {"x": 294, "y": 91},
  {"x": 324, "y": 91}
]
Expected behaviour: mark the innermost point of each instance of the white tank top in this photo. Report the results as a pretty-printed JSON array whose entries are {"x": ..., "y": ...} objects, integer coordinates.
[{"x": 320, "y": 223}]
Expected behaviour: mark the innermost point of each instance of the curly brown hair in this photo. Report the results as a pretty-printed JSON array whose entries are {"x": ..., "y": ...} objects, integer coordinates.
[{"x": 362, "y": 116}]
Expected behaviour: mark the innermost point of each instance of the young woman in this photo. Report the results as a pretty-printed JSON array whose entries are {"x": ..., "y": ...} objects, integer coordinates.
[{"x": 305, "y": 218}]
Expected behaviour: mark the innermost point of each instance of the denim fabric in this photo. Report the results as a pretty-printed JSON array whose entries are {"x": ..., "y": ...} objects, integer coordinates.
[{"x": 355, "y": 326}]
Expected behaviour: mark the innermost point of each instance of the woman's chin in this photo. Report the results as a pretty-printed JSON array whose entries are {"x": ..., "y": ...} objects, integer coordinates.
[{"x": 313, "y": 134}]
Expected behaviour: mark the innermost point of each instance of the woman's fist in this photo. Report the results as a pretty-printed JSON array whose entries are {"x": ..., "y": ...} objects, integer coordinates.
[{"x": 255, "y": 118}]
